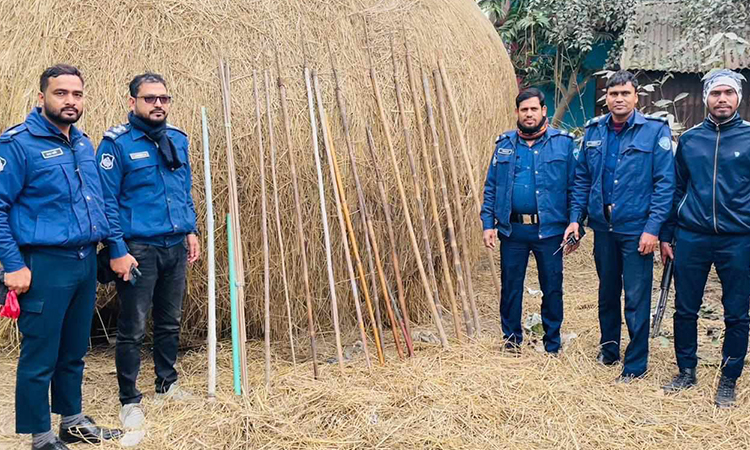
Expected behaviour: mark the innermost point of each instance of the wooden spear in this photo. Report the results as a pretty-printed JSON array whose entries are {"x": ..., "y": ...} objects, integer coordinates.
[
  {"x": 234, "y": 211},
  {"x": 342, "y": 212},
  {"x": 470, "y": 171},
  {"x": 431, "y": 191},
  {"x": 264, "y": 232},
  {"x": 446, "y": 204},
  {"x": 211, "y": 260},
  {"x": 404, "y": 204},
  {"x": 272, "y": 145},
  {"x": 298, "y": 214},
  {"x": 457, "y": 196},
  {"x": 324, "y": 217}
]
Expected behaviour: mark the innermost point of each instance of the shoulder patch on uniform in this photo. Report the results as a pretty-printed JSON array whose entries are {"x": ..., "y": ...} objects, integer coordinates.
[
  {"x": 566, "y": 134},
  {"x": 659, "y": 118},
  {"x": 107, "y": 161},
  {"x": 12, "y": 131},
  {"x": 593, "y": 121},
  {"x": 116, "y": 131},
  {"x": 665, "y": 143},
  {"x": 500, "y": 138},
  {"x": 172, "y": 127}
]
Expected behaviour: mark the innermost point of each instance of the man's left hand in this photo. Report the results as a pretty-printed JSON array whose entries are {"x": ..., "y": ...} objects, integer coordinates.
[
  {"x": 647, "y": 243},
  {"x": 194, "y": 248}
]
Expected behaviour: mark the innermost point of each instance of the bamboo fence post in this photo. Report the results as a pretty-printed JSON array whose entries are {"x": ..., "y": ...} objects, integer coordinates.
[
  {"x": 211, "y": 260},
  {"x": 447, "y": 205},
  {"x": 404, "y": 204},
  {"x": 324, "y": 217},
  {"x": 431, "y": 191},
  {"x": 342, "y": 211},
  {"x": 274, "y": 181},
  {"x": 298, "y": 215},
  {"x": 236, "y": 376},
  {"x": 470, "y": 171}
]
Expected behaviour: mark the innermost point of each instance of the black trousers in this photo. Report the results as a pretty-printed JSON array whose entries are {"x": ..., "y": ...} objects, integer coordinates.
[{"x": 161, "y": 288}]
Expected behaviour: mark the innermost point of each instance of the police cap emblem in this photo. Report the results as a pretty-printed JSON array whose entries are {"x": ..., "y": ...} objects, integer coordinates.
[{"x": 108, "y": 161}]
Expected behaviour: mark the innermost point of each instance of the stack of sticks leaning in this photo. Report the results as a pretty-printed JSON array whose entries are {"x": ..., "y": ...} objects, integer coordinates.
[{"x": 444, "y": 192}]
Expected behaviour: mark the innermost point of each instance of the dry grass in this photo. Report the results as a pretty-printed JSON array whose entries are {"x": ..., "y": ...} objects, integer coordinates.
[
  {"x": 111, "y": 41},
  {"x": 473, "y": 396}
]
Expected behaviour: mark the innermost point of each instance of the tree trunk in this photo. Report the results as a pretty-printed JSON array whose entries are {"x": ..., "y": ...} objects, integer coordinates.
[{"x": 568, "y": 95}]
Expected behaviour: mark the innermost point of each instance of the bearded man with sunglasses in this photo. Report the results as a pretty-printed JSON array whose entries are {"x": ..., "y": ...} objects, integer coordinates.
[{"x": 146, "y": 179}]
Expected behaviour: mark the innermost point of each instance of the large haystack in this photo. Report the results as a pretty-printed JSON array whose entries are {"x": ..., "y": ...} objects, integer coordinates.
[{"x": 111, "y": 41}]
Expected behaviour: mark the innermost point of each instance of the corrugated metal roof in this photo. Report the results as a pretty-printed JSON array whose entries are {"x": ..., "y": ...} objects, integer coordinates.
[{"x": 652, "y": 44}]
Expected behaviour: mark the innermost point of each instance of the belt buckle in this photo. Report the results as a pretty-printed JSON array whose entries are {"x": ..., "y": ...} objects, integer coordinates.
[{"x": 526, "y": 219}]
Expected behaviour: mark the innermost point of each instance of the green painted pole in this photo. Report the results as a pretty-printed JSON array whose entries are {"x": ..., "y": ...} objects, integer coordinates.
[{"x": 233, "y": 301}]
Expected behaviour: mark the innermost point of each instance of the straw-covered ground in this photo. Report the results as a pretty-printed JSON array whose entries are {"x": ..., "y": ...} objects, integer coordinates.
[{"x": 471, "y": 396}]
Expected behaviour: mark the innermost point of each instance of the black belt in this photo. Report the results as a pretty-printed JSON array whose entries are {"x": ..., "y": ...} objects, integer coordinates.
[{"x": 526, "y": 219}]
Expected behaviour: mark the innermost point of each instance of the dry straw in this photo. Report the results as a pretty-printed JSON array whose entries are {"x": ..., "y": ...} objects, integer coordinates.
[{"x": 111, "y": 41}]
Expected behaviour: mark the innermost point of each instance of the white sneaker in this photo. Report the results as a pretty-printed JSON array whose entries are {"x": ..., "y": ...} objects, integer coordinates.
[
  {"x": 132, "y": 417},
  {"x": 175, "y": 392}
]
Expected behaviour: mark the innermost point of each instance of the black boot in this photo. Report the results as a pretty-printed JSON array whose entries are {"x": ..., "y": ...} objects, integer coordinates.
[
  {"x": 725, "y": 395},
  {"x": 87, "y": 431},
  {"x": 57, "y": 444},
  {"x": 603, "y": 360},
  {"x": 684, "y": 380}
]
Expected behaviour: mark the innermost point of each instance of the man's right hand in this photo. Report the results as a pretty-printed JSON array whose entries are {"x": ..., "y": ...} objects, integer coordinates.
[
  {"x": 18, "y": 281},
  {"x": 121, "y": 266},
  {"x": 665, "y": 248},
  {"x": 489, "y": 237},
  {"x": 573, "y": 228}
]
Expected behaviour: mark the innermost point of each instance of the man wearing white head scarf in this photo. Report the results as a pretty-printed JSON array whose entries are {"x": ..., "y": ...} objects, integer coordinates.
[{"x": 710, "y": 225}]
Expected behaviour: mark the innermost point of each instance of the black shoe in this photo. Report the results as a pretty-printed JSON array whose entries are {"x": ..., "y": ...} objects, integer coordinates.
[
  {"x": 87, "y": 431},
  {"x": 627, "y": 378},
  {"x": 57, "y": 444},
  {"x": 512, "y": 347},
  {"x": 603, "y": 360},
  {"x": 684, "y": 380},
  {"x": 725, "y": 395}
]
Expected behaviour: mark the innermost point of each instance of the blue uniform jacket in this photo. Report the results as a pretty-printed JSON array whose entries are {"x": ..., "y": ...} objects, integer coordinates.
[
  {"x": 50, "y": 193},
  {"x": 555, "y": 163},
  {"x": 644, "y": 177},
  {"x": 144, "y": 199},
  {"x": 712, "y": 164}
]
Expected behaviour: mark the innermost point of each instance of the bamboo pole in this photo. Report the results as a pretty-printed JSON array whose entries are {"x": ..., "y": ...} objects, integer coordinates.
[
  {"x": 298, "y": 214},
  {"x": 433, "y": 200},
  {"x": 234, "y": 211},
  {"x": 447, "y": 205},
  {"x": 360, "y": 194},
  {"x": 407, "y": 216},
  {"x": 324, "y": 217},
  {"x": 236, "y": 376},
  {"x": 264, "y": 233},
  {"x": 211, "y": 261},
  {"x": 472, "y": 180},
  {"x": 342, "y": 212},
  {"x": 415, "y": 180},
  {"x": 457, "y": 195},
  {"x": 274, "y": 181}
]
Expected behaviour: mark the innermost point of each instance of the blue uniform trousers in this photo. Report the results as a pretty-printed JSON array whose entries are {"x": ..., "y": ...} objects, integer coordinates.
[
  {"x": 694, "y": 254},
  {"x": 514, "y": 253},
  {"x": 55, "y": 323},
  {"x": 618, "y": 265}
]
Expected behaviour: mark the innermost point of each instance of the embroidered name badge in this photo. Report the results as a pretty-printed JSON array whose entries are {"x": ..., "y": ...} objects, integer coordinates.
[
  {"x": 593, "y": 143},
  {"x": 138, "y": 155},
  {"x": 107, "y": 162},
  {"x": 54, "y": 153},
  {"x": 665, "y": 143},
  {"x": 504, "y": 151}
]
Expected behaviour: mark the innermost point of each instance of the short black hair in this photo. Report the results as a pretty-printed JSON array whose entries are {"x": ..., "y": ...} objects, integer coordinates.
[
  {"x": 530, "y": 93},
  {"x": 148, "y": 77},
  {"x": 56, "y": 71},
  {"x": 621, "y": 78}
]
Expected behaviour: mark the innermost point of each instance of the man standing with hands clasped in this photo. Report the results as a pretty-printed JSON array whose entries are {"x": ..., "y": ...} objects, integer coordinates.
[
  {"x": 710, "y": 224},
  {"x": 145, "y": 172},
  {"x": 625, "y": 183}
]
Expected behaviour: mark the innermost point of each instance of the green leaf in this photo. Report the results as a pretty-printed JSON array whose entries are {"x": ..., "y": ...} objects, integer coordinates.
[
  {"x": 662, "y": 103},
  {"x": 680, "y": 96}
]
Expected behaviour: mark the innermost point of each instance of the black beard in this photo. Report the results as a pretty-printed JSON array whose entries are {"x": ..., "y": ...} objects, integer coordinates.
[
  {"x": 531, "y": 130},
  {"x": 57, "y": 118},
  {"x": 153, "y": 123}
]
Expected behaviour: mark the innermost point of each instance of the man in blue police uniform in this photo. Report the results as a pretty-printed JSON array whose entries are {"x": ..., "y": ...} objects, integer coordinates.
[
  {"x": 51, "y": 218},
  {"x": 710, "y": 224},
  {"x": 625, "y": 183},
  {"x": 145, "y": 171},
  {"x": 526, "y": 198}
]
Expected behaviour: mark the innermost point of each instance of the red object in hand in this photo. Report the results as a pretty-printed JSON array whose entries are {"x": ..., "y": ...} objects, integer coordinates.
[{"x": 11, "y": 308}]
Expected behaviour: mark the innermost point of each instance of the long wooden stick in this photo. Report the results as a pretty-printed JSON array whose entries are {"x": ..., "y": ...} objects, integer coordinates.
[
  {"x": 234, "y": 211},
  {"x": 274, "y": 181},
  {"x": 324, "y": 217},
  {"x": 446, "y": 204},
  {"x": 404, "y": 204},
  {"x": 376, "y": 324},
  {"x": 472, "y": 180},
  {"x": 415, "y": 180},
  {"x": 342, "y": 212},
  {"x": 457, "y": 197},
  {"x": 298, "y": 214},
  {"x": 236, "y": 376},
  {"x": 264, "y": 232},
  {"x": 433, "y": 200},
  {"x": 211, "y": 259}
]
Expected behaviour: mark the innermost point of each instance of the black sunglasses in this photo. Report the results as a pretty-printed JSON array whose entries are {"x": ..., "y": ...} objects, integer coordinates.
[{"x": 151, "y": 99}]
